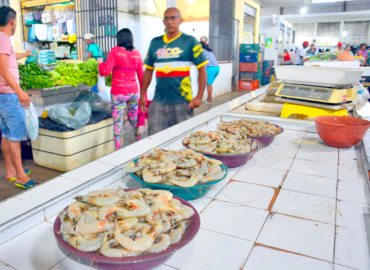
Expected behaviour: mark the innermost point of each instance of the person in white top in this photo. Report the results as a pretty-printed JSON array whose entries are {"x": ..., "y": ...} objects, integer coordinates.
[{"x": 300, "y": 54}]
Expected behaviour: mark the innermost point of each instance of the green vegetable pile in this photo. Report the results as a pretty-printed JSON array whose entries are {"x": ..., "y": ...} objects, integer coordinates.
[
  {"x": 31, "y": 76},
  {"x": 323, "y": 56}
]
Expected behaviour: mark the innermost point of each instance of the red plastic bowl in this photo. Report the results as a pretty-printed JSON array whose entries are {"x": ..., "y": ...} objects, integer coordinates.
[
  {"x": 149, "y": 261},
  {"x": 341, "y": 131}
]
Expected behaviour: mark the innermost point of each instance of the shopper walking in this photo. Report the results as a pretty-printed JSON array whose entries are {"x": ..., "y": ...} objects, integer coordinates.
[
  {"x": 362, "y": 52},
  {"x": 300, "y": 54},
  {"x": 286, "y": 57},
  {"x": 12, "y": 99},
  {"x": 212, "y": 70},
  {"x": 312, "y": 50},
  {"x": 125, "y": 62},
  {"x": 172, "y": 55}
]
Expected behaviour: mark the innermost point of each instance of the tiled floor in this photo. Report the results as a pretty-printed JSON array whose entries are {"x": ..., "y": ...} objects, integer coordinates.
[
  {"x": 41, "y": 174},
  {"x": 283, "y": 210}
]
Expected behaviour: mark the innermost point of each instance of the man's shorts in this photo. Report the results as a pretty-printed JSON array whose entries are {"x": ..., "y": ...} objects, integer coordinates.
[
  {"x": 212, "y": 73},
  {"x": 12, "y": 118}
]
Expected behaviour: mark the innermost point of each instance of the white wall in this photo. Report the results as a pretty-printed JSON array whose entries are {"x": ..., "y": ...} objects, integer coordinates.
[
  {"x": 195, "y": 29},
  {"x": 272, "y": 31}
]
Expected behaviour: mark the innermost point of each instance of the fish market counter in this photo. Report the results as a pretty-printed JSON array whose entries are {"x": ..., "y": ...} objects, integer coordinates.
[{"x": 297, "y": 204}]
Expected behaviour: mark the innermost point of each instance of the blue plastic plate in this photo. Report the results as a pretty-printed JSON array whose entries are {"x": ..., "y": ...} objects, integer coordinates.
[{"x": 190, "y": 193}]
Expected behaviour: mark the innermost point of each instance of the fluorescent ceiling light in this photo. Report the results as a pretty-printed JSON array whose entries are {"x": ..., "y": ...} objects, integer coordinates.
[
  {"x": 345, "y": 33},
  {"x": 303, "y": 10},
  {"x": 327, "y": 1}
]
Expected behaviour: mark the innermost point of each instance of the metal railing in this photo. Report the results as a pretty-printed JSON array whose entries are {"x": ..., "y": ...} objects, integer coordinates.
[{"x": 100, "y": 18}]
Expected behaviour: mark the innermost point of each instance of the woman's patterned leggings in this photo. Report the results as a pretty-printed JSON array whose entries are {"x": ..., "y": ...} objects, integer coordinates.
[{"x": 118, "y": 107}]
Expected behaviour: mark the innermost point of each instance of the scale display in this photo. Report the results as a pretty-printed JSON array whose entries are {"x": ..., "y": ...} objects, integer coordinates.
[{"x": 306, "y": 92}]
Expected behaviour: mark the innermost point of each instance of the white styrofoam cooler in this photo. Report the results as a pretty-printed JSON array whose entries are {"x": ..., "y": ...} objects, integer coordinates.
[
  {"x": 318, "y": 75},
  {"x": 65, "y": 151},
  {"x": 334, "y": 64}
]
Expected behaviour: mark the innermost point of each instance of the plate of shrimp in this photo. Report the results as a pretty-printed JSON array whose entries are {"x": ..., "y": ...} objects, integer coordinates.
[
  {"x": 263, "y": 131},
  {"x": 233, "y": 150},
  {"x": 186, "y": 173},
  {"x": 126, "y": 229}
]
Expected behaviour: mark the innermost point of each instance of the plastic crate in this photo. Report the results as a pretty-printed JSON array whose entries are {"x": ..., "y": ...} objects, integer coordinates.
[
  {"x": 272, "y": 72},
  {"x": 249, "y": 48},
  {"x": 250, "y": 76},
  {"x": 249, "y": 85},
  {"x": 266, "y": 72},
  {"x": 266, "y": 64},
  {"x": 272, "y": 63},
  {"x": 250, "y": 67},
  {"x": 248, "y": 58},
  {"x": 265, "y": 80}
]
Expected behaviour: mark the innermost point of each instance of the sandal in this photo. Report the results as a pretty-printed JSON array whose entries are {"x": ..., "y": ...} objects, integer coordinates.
[
  {"x": 28, "y": 185},
  {"x": 208, "y": 102},
  {"x": 27, "y": 171}
]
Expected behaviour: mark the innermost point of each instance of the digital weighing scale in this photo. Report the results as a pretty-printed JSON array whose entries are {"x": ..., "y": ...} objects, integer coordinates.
[{"x": 317, "y": 85}]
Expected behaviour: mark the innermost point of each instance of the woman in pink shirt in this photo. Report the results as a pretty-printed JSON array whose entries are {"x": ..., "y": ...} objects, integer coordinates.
[{"x": 125, "y": 62}]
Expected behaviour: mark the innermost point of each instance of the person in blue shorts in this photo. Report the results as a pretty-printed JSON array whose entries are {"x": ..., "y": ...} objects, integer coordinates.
[{"x": 212, "y": 70}]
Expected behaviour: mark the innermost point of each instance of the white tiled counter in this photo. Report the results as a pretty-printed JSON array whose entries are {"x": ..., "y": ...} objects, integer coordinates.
[{"x": 297, "y": 204}]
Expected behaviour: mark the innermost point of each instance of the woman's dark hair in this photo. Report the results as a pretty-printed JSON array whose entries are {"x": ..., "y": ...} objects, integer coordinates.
[
  {"x": 361, "y": 46},
  {"x": 125, "y": 39},
  {"x": 352, "y": 50},
  {"x": 206, "y": 47},
  {"x": 327, "y": 50},
  {"x": 6, "y": 15}
]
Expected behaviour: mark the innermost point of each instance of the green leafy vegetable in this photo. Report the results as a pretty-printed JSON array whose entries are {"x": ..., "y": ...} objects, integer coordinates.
[{"x": 108, "y": 80}]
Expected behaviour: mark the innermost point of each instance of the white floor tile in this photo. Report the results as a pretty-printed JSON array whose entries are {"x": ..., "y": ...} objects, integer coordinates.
[
  {"x": 247, "y": 194},
  {"x": 289, "y": 138},
  {"x": 261, "y": 159},
  {"x": 352, "y": 248},
  {"x": 52, "y": 219},
  {"x": 305, "y": 206},
  {"x": 261, "y": 176},
  {"x": 271, "y": 259},
  {"x": 323, "y": 154},
  {"x": 353, "y": 191},
  {"x": 309, "y": 184},
  {"x": 4, "y": 266},
  {"x": 349, "y": 157},
  {"x": 352, "y": 173},
  {"x": 201, "y": 203},
  {"x": 211, "y": 251},
  {"x": 88, "y": 171},
  {"x": 14, "y": 207},
  {"x": 69, "y": 264},
  {"x": 305, "y": 237},
  {"x": 49, "y": 190},
  {"x": 314, "y": 168},
  {"x": 341, "y": 267},
  {"x": 114, "y": 177},
  {"x": 279, "y": 150},
  {"x": 35, "y": 249},
  {"x": 238, "y": 221},
  {"x": 353, "y": 215}
]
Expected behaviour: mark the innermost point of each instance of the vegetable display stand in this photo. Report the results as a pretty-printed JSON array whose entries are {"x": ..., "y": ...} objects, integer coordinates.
[{"x": 67, "y": 150}]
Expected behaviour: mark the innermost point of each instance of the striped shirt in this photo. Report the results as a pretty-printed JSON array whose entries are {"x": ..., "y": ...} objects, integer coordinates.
[{"x": 211, "y": 58}]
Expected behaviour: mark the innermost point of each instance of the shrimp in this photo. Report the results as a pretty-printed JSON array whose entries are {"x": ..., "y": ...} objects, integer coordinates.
[
  {"x": 192, "y": 181},
  {"x": 166, "y": 169},
  {"x": 175, "y": 202},
  {"x": 137, "y": 208},
  {"x": 75, "y": 210},
  {"x": 108, "y": 210},
  {"x": 82, "y": 243},
  {"x": 91, "y": 216},
  {"x": 152, "y": 177},
  {"x": 143, "y": 243},
  {"x": 214, "y": 169},
  {"x": 140, "y": 226},
  {"x": 110, "y": 249},
  {"x": 128, "y": 224},
  {"x": 178, "y": 231},
  {"x": 67, "y": 224},
  {"x": 101, "y": 226},
  {"x": 215, "y": 177},
  {"x": 161, "y": 243},
  {"x": 154, "y": 196},
  {"x": 132, "y": 167},
  {"x": 185, "y": 212},
  {"x": 98, "y": 201}
]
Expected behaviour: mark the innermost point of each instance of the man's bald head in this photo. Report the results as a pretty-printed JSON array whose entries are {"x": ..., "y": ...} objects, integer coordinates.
[
  {"x": 173, "y": 9},
  {"x": 172, "y": 20}
]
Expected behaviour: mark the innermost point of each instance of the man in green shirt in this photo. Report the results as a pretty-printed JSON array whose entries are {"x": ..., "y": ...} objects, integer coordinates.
[
  {"x": 93, "y": 50},
  {"x": 172, "y": 56}
]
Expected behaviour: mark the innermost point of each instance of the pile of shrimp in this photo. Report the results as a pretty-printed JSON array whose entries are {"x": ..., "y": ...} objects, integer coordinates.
[
  {"x": 125, "y": 224},
  {"x": 219, "y": 142},
  {"x": 184, "y": 168},
  {"x": 248, "y": 127}
]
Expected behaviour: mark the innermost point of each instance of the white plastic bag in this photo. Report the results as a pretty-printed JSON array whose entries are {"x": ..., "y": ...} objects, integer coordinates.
[
  {"x": 32, "y": 122},
  {"x": 105, "y": 95},
  {"x": 101, "y": 83}
]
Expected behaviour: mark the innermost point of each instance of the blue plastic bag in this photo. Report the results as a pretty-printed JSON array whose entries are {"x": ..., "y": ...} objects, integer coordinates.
[
  {"x": 32, "y": 59},
  {"x": 31, "y": 34}
]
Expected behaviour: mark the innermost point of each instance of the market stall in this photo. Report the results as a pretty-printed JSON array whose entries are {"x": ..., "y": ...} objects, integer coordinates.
[{"x": 297, "y": 200}]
